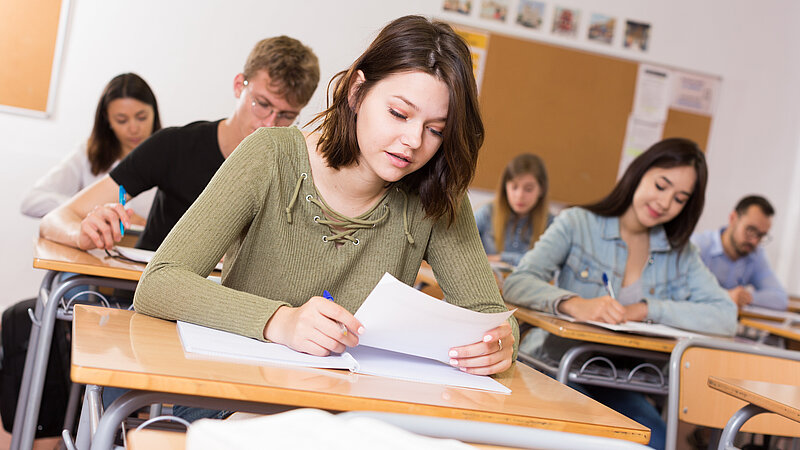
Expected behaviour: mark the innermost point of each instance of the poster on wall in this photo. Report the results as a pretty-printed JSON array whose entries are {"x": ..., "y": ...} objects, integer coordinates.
[
  {"x": 530, "y": 14},
  {"x": 459, "y": 6},
  {"x": 478, "y": 42},
  {"x": 637, "y": 36},
  {"x": 565, "y": 22},
  {"x": 601, "y": 28},
  {"x": 494, "y": 9},
  {"x": 694, "y": 93}
]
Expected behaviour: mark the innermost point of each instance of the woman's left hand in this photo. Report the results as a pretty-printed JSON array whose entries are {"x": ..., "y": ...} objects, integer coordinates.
[{"x": 491, "y": 355}]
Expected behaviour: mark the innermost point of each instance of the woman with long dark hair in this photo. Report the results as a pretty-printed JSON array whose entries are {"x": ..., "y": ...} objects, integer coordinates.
[
  {"x": 638, "y": 235},
  {"x": 126, "y": 115}
]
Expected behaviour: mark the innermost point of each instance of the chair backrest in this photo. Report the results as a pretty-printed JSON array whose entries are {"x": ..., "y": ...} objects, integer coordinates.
[{"x": 692, "y": 400}]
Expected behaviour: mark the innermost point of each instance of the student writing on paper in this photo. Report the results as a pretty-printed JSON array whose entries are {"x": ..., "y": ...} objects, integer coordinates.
[
  {"x": 278, "y": 79},
  {"x": 639, "y": 236},
  {"x": 511, "y": 224},
  {"x": 126, "y": 115},
  {"x": 735, "y": 257},
  {"x": 378, "y": 188}
]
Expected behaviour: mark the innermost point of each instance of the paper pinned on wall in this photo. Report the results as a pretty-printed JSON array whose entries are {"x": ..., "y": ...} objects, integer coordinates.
[
  {"x": 653, "y": 93},
  {"x": 639, "y": 136},
  {"x": 694, "y": 93}
]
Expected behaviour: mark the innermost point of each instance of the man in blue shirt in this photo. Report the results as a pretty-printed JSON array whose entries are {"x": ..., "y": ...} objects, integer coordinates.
[{"x": 734, "y": 256}]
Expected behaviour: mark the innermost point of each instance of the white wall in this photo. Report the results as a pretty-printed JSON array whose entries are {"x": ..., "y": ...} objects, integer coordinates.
[{"x": 190, "y": 51}]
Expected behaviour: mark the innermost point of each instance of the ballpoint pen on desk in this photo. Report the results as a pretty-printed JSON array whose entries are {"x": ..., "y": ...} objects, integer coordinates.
[
  {"x": 608, "y": 286},
  {"x": 122, "y": 202},
  {"x": 328, "y": 296}
]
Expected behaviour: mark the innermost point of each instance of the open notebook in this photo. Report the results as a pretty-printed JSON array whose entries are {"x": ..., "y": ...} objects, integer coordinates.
[{"x": 408, "y": 336}]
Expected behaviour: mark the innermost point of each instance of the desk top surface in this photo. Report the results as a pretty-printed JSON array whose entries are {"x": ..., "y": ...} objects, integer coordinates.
[
  {"x": 794, "y": 305},
  {"x": 124, "y": 349},
  {"x": 782, "y": 399},
  {"x": 591, "y": 333},
  {"x": 790, "y": 331},
  {"x": 50, "y": 255}
]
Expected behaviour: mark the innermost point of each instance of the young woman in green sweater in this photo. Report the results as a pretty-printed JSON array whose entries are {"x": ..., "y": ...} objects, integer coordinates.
[{"x": 378, "y": 187}]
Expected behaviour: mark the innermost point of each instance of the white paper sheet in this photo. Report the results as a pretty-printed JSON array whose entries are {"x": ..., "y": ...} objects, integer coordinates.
[
  {"x": 772, "y": 313},
  {"x": 402, "y": 319},
  {"x": 653, "y": 93},
  {"x": 141, "y": 255},
  {"x": 652, "y": 329},
  {"x": 210, "y": 342}
]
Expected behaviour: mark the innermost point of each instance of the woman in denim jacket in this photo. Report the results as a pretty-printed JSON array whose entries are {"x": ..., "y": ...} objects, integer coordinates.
[{"x": 639, "y": 236}]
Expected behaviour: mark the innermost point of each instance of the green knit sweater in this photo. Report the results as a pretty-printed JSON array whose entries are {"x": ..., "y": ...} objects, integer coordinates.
[{"x": 276, "y": 254}]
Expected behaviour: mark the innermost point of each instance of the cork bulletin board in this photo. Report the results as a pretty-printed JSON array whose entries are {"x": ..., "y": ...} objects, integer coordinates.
[
  {"x": 569, "y": 106},
  {"x": 32, "y": 34}
]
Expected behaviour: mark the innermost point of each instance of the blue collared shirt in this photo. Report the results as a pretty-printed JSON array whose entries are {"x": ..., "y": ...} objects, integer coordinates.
[
  {"x": 678, "y": 288},
  {"x": 751, "y": 270}
]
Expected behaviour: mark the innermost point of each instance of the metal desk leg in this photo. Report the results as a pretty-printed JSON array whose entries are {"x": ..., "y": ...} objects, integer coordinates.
[
  {"x": 132, "y": 401},
  {"x": 735, "y": 423},
  {"x": 25, "y": 385},
  {"x": 43, "y": 351}
]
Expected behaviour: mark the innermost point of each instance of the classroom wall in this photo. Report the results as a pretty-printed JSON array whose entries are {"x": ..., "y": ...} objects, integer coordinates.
[{"x": 198, "y": 47}]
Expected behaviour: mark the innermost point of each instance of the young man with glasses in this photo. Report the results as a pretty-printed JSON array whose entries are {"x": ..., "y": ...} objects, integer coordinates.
[
  {"x": 734, "y": 256},
  {"x": 278, "y": 80}
]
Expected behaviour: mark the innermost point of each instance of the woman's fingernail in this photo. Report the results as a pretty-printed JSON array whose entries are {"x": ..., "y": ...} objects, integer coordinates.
[
  {"x": 453, "y": 353},
  {"x": 463, "y": 369},
  {"x": 487, "y": 338},
  {"x": 453, "y": 362},
  {"x": 360, "y": 330}
]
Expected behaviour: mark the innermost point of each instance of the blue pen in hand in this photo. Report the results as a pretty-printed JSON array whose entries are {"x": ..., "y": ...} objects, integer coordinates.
[
  {"x": 608, "y": 286},
  {"x": 122, "y": 202},
  {"x": 328, "y": 296}
]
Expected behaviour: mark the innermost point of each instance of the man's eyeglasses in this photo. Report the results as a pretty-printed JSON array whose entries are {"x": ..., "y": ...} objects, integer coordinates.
[
  {"x": 263, "y": 109},
  {"x": 752, "y": 233}
]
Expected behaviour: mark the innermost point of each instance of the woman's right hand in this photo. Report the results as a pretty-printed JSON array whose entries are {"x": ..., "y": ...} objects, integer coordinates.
[
  {"x": 601, "y": 309},
  {"x": 314, "y": 328},
  {"x": 100, "y": 228}
]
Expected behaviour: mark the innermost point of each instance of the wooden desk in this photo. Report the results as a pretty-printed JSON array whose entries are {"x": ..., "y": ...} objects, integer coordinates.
[
  {"x": 762, "y": 397},
  {"x": 50, "y": 255},
  {"x": 784, "y": 330},
  {"x": 128, "y": 350},
  {"x": 794, "y": 304}
]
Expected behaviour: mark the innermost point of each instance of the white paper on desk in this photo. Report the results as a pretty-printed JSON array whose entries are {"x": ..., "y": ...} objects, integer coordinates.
[
  {"x": 143, "y": 256},
  {"x": 652, "y": 329},
  {"x": 772, "y": 313},
  {"x": 211, "y": 342},
  {"x": 206, "y": 341},
  {"x": 402, "y": 319}
]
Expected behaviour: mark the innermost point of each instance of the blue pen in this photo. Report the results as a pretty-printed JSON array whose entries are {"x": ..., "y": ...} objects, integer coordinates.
[
  {"x": 122, "y": 202},
  {"x": 608, "y": 286},
  {"x": 328, "y": 296}
]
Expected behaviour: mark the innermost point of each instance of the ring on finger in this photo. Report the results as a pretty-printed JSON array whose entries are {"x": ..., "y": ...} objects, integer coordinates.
[{"x": 500, "y": 344}]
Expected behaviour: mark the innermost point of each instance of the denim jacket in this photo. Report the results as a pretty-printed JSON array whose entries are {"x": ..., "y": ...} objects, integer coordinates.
[{"x": 678, "y": 288}]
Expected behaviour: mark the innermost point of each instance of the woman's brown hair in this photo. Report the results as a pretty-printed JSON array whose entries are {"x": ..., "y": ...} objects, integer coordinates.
[
  {"x": 409, "y": 44},
  {"x": 103, "y": 147},
  {"x": 672, "y": 152},
  {"x": 525, "y": 163}
]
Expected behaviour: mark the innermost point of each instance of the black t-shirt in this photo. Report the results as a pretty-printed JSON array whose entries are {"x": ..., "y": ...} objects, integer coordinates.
[{"x": 180, "y": 161}]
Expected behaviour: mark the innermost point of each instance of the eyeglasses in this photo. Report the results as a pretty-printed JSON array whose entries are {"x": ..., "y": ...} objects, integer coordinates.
[
  {"x": 752, "y": 233},
  {"x": 263, "y": 109}
]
